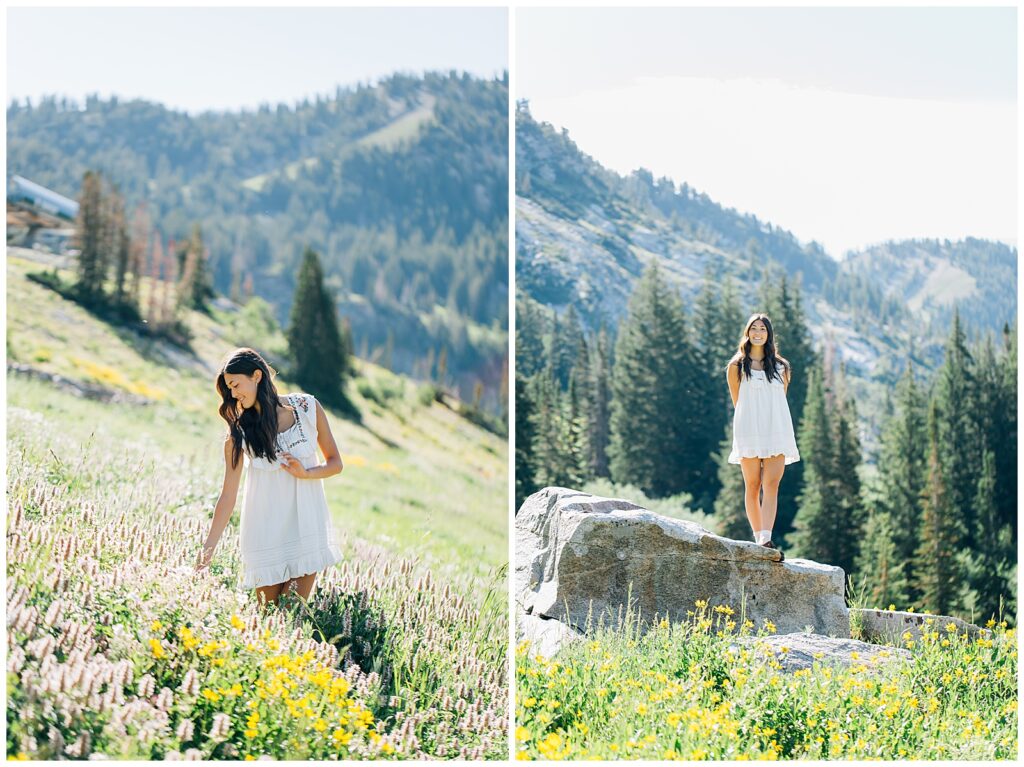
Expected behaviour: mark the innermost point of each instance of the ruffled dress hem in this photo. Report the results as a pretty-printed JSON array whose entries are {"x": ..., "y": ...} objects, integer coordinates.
[
  {"x": 750, "y": 452},
  {"x": 279, "y": 573}
]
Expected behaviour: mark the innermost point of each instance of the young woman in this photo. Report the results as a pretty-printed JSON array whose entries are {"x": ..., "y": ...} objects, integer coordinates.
[
  {"x": 763, "y": 442},
  {"x": 286, "y": 534}
]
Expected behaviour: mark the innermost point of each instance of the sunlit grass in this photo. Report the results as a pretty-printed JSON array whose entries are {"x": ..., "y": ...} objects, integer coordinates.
[
  {"x": 109, "y": 504},
  {"x": 117, "y": 647},
  {"x": 692, "y": 690}
]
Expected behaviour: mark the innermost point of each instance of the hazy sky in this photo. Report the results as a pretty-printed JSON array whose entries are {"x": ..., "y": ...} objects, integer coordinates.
[
  {"x": 848, "y": 126},
  {"x": 226, "y": 58}
]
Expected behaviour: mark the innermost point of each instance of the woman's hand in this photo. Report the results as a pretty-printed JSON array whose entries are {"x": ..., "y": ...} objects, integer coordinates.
[
  {"x": 203, "y": 557},
  {"x": 294, "y": 466}
]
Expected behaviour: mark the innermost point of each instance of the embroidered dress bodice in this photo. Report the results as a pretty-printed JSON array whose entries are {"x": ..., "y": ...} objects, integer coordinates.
[{"x": 286, "y": 527}]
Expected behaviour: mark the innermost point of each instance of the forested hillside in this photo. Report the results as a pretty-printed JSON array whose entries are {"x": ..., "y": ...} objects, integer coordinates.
[
  {"x": 584, "y": 235},
  {"x": 400, "y": 186}
]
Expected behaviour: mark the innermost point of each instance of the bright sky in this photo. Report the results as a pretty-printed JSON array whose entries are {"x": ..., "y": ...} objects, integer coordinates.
[
  {"x": 848, "y": 126},
  {"x": 227, "y": 58}
]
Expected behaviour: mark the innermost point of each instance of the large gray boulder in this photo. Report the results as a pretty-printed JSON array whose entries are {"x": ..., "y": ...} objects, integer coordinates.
[{"x": 579, "y": 554}]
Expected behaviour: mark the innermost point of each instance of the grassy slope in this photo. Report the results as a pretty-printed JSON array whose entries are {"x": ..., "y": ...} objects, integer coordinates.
[{"x": 418, "y": 480}]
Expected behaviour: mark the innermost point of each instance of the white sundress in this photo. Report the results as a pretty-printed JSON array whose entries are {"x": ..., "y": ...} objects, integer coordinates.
[
  {"x": 286, "y": 530},
  {"x": 762, "y": 425}
]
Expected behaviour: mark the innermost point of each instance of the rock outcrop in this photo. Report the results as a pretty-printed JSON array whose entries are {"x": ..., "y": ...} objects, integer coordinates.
[
  {"x": 890, "y": 626},
  {"x": 545, "y": 635},
  {"x": 580, "y": 557},
  {"x": 799, "y": 651}
]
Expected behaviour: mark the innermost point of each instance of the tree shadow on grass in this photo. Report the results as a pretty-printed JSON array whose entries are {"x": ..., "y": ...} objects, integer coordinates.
[{"x": 359, "y": 630}]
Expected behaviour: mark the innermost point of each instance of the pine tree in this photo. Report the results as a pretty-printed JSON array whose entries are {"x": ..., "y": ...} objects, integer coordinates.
[
  {"x": 571, "y": 435},
  {"x": 995, "y": 411},
  {"x": 198, "y": 288},
  {"x": 847, "y": 483},
  {"x": 937, "y": 571},
  {"x": 902, "y": 471},
  {"x": 545, "y": 416},
  {"x": 1005, "y": 444},
  {"x": 526, "y": 483},
  {"x": 139, "y": 251},
  {"x": 651, "y": 380},
  {"x": 565, "y": 338},
  {"x": 710, "y": 358},
  {"x": 879, "y": 563},
  {"x": 725, "y": 337},
  {"x": 315, "y": 343},
  {"x": 530, "y": 333},
  {"x": 958, "y": 439},
  {"x": 90, "y": 232},
  {"x": 989, "y": 567},
  {"x": 120, "y": 247},
  {"x": 819, "y": 524}
]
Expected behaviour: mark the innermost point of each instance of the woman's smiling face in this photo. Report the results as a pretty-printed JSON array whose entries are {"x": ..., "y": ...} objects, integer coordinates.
[
  {"x": 243, "y": 387},
  {"x": 758, "y": 333}
]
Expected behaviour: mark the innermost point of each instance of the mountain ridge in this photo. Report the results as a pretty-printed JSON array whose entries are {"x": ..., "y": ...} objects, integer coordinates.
[
  {"x": 408, "y": 210},
  {"x": 584, "y": 234}
]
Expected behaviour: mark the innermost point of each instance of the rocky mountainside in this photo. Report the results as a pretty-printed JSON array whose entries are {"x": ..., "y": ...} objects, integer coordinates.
[{"x": 584, "y": 234}]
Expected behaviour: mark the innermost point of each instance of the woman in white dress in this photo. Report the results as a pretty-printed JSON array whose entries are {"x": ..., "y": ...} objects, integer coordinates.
[
  {"x": 286, "y": 536},
  {"x": 763, "y": 442}
]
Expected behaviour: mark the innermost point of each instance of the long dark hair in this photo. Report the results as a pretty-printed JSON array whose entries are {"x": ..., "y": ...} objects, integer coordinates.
[
  {"x": 772, "y": 359},
  {"x": 258, "y": 428}
]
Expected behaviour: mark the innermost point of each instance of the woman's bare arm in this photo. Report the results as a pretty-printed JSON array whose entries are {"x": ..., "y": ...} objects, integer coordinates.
[
  {"x": 733, "y": 377},
  {"x": 225, "y": 505},
  {"x": 325, "y": 439}
]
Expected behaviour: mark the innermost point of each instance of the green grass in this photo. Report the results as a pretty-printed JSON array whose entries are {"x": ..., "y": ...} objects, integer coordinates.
[
  {"x": 418, "y": 480},
  {"x": 689, "y": 691},
  {"x": 110, "y": 503}
]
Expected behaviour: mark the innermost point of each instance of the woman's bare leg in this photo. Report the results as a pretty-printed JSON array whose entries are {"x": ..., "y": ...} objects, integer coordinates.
[
  {"x": 266, "y": 595},
  {"x": 770, "y": 479},
  {"x": 301, "y": 586},
  {"x": 751, "y": 468}
]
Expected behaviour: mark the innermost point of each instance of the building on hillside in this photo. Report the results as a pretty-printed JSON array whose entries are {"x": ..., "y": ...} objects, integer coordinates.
[{"x": 20, "y": 189}]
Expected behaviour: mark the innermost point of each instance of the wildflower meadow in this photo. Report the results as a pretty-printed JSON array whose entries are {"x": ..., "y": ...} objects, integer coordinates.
[
  {"x": 118, "y": 649},
  {"x": 704, "y": 689}
]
